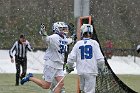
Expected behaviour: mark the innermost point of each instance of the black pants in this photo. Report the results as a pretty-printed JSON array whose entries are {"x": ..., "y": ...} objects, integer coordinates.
[{"x": 20, "y": 62}]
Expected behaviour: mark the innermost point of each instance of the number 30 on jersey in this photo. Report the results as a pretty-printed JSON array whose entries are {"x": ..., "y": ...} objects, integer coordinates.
[{"x": 63, "y": 47}]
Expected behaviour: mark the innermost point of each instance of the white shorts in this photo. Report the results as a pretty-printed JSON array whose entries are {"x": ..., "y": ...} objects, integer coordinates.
[
  {"x": 88, "y": 83},
  {"x": 50, "y": 73}
]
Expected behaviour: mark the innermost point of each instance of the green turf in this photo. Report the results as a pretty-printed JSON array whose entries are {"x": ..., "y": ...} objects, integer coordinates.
[
  {"x": 7, "y": 82},
  {"x": 7, "y": 85}
]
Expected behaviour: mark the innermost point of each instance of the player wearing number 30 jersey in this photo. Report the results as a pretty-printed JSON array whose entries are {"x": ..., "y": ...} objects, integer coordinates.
[
  {"x": 55, "y": 52},
  {"x": 87, "y": 54},
  {"x": 54, "y": 58}
]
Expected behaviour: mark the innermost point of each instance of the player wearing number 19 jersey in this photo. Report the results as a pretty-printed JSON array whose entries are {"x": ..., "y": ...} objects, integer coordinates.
[{"x": 87, "y": 54}]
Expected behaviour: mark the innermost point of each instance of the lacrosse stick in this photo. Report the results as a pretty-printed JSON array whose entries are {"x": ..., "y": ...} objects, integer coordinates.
[{"x": 59, "y": 82}]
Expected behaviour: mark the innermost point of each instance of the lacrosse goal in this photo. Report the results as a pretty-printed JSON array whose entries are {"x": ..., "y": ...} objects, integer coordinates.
[{"x": 107, "y": 82}]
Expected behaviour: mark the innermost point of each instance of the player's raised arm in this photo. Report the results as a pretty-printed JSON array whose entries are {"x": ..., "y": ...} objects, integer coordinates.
[{"x": 43, "y": 32}]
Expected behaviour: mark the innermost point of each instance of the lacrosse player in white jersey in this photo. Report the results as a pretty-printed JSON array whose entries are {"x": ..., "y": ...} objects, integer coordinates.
[
  {"x": 54, "y": 58},
  {"x": 87, "y": 55}
]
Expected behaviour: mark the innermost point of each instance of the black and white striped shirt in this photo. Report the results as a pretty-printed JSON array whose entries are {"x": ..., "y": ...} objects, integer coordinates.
[{"x": 20, "y": 49}]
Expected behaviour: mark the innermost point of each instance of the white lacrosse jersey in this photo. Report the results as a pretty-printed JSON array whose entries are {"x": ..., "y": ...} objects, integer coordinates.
[
  {"x": 85, "y": 53},
  {"x": 54, "y": 55}
]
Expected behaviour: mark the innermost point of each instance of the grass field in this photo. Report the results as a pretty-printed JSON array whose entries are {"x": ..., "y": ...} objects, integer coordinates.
[{"x": 7, "y": 84}]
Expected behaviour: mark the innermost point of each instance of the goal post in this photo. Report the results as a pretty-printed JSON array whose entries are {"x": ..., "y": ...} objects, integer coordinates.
[{"x": 80, "y": 22}]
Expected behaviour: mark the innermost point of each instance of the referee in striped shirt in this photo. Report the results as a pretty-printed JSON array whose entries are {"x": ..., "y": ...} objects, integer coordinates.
[{"x": 20, "y": 47}]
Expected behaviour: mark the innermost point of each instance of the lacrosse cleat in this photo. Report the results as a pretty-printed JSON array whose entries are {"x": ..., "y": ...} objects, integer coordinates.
[{"x": 26, "y": 78}]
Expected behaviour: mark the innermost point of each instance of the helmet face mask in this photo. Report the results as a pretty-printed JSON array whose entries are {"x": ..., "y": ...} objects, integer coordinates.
[
  {"x": 60, "y": 28},
  {"x": 64, "y": 29}
]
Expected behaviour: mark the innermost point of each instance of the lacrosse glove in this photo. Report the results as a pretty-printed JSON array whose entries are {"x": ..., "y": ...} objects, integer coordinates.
[
  {"x": 101, "y": 65},
  {"x": 42, "y": 30},
  {"x": 69, "y": 69}
]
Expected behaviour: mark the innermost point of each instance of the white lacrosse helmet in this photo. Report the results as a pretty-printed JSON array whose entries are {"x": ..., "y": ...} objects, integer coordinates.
[
  {"x": 86, "y": 28},
  {"x": 59, "y": 27}
]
